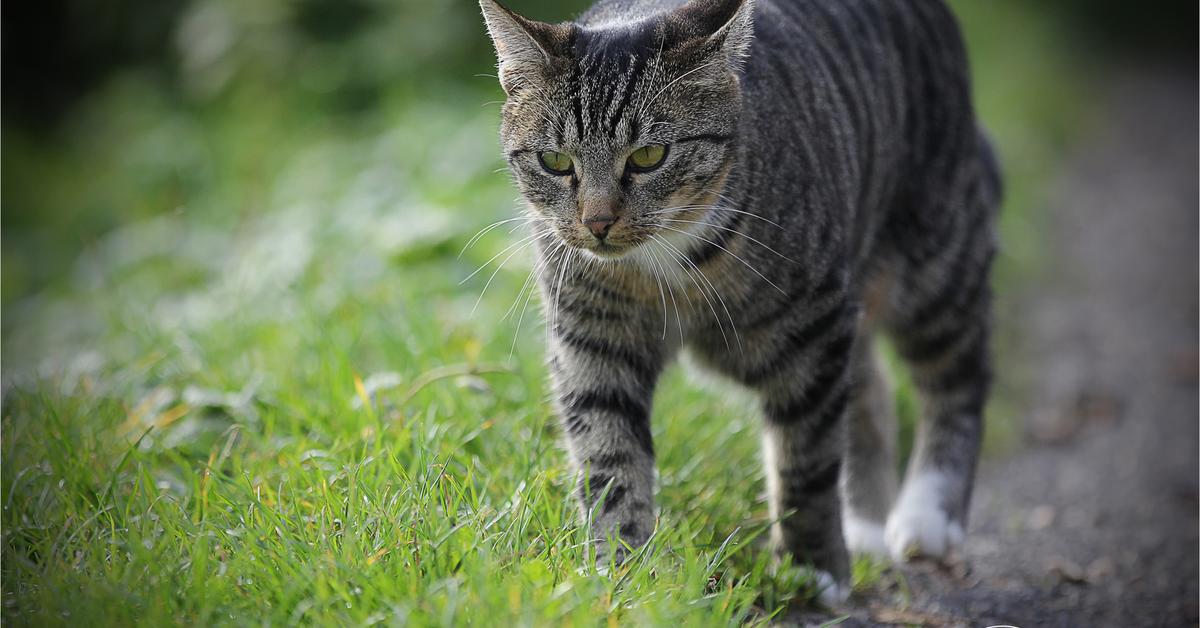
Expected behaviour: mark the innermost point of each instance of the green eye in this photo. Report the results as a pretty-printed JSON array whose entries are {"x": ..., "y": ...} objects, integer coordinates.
[
  {"x": 647, "y": 158},
  {"x": 555, "y": 163}
]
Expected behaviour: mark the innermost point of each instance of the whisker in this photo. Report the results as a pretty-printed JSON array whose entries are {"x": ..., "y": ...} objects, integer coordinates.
[
  {"x": 679, "y": 78},
  {"x": 719, "y": 208},
  {"x": 680, "y": 259},
  {"x": 562, "y": 272},
  {"x": 482, "y": 232},
  {"x": 524, "y": 285},
  {"x": 670, "y": 290},
  {"x": 716, "y": 293},
  {"x": 735, "y": 256},
  {"x": 732, "y": 230},
  {"x": 500, "y": 266},
  {"x": 506, "y": 249},
  {"x": 538, "y": 270},
  {"x": 700, "y": 285},
  {"x": 644, "y": 103},
  {"x": 661, "y": 295}
]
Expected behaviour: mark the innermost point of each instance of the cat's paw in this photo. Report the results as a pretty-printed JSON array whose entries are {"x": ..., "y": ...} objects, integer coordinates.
[
  {"x": 919, "y": 527},
  {"x": 621, "y": 542},
  {"x": 831, "y": 593},
  {"x": 864, "y": 536}
]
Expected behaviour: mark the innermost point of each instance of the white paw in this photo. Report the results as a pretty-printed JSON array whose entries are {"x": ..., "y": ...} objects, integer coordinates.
[
  {"x": 832, "y": 593},
  {"x": 864, "y": 536},
  {"x": 918, "y": 527}
]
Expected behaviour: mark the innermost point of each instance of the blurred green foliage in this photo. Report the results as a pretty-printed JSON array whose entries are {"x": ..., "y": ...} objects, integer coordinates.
[{"x": 228, "y": 224}]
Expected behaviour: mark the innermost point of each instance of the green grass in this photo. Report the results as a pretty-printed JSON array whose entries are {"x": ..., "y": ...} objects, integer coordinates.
[{"x": 245, "y": 385}]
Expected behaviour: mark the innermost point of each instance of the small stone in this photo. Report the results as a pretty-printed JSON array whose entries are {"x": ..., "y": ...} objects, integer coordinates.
[
  {"x": 1066, "y": 571},
  {"x": 1041, "y": 517},
  {"x": 1100, "y": 569}
]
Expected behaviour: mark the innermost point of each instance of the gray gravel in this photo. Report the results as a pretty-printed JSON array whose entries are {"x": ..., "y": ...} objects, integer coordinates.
[{"x": 1093, "y": 521}]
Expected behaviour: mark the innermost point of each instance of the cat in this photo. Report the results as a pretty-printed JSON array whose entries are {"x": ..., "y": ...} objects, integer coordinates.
[{"x": 768, "y": 185}]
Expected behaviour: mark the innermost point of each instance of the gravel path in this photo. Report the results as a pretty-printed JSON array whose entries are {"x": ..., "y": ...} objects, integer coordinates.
[{"x": 1094, "y": 521}]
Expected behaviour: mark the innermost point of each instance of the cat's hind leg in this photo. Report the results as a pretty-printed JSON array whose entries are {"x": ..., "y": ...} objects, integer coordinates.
[
  {"x": 868, "y": 479},
  {"x": 941, "y": 324},
  {"x": 930, "y": 515}
]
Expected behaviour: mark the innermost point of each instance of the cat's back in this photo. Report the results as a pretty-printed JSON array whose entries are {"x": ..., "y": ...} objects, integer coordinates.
[
  {"x": 878, "y": 88},
  {"x": 861, "y": 40}
]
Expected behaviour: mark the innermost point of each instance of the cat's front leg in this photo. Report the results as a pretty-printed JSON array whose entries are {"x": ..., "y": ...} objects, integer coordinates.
[
  {"x": 803, "y": 377},
  {"x": 604, "y": 384}
]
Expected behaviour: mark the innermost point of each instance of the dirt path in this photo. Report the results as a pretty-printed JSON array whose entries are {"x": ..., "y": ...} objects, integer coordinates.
[{"x": 1094, "y": 521}]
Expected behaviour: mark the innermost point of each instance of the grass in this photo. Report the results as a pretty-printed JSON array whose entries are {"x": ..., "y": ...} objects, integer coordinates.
[{"x": 243, "y": 383}]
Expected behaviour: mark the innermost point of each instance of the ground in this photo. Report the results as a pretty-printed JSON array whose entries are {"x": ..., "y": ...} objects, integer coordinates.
[{"x": 1092, "y": 521}]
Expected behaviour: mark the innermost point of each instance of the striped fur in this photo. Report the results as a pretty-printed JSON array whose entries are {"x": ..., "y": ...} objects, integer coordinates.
[{"x": 825, "y": 180}]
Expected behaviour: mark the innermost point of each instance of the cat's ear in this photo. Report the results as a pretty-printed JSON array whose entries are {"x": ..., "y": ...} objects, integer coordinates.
[
  {"x": 724, "y": 27},
  {"x": 736, "y": 35},
  {"x": 527, "y": 50}
]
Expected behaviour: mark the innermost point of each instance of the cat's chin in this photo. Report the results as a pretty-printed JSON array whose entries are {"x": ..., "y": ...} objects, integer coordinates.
[{"x": 606, "y": 251}]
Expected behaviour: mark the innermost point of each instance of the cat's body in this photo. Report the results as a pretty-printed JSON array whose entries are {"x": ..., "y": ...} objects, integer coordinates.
[{"x": 821, "y": 180}]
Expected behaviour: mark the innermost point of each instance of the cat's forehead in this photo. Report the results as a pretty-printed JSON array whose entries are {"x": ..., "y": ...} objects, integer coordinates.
[
  {"x": 615, "y": 43},
  {"x": 601, "y": 91}
]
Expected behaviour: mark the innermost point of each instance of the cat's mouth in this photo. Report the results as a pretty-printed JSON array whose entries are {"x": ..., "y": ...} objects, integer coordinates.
[
  {"x": 609, "y": 250},
  {"x": 613, "y": 246}
]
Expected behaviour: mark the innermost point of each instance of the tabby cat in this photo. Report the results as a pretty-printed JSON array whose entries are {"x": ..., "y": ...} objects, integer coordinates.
[{"x": 763, "y": 184}]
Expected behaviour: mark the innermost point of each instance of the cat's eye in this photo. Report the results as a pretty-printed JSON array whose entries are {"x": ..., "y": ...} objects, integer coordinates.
[
  {"x": 647, "y": 158},
  {"x": 555, "y": 163}
]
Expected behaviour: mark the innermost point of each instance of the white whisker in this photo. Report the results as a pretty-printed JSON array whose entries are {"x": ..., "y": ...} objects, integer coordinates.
[
  {"x": 731, "y": 230},
  {"x": 677, "y": 79},
  {"x": 661, "y": 295},
  {"x": 719, "y": 208},
  {"x": 681, "y": 259},
  {"x": 527, "y": 241},
  {"x": 506, "y": 249},
  {"x": 524, "y": 286},
  {"x": 658, "y": 262},
  {"x": 482, "y": 232},
  {"x": 735, "y": 256},
  {"x": 537, "y": 270},
  {"x": 562, "y": 272}
]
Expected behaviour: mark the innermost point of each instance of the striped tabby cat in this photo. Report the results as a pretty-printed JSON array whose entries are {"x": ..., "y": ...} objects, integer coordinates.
[{"x": 765, "y": 184}]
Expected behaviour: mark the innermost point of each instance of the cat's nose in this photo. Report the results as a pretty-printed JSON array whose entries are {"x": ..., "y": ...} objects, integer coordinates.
[
  {"x": 599, "y": 225},
  {"x": 598, "y": 210}
]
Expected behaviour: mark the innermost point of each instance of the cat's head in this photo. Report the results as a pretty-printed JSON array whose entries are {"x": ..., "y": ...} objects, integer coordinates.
[{"x": 615, "y": 128}]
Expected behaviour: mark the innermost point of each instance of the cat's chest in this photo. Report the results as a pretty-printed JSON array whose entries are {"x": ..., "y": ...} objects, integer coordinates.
[{"x": 702, "y": 299}]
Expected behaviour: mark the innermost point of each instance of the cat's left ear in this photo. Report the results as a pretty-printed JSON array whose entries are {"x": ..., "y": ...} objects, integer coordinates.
[
  {"x": 527, "y": 50},
  {"x": 723, "y": 27}
]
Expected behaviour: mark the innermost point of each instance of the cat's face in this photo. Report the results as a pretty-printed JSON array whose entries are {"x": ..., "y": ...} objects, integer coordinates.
[{"x": 616, "y": 134}]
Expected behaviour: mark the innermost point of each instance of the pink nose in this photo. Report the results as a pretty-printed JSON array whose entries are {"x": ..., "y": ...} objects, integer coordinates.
[{"x": 599, "y": 225}]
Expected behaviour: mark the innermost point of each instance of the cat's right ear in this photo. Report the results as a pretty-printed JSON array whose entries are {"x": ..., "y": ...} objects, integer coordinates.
[
  {"x": 527, "y": 51},
  {"x": 709, "y": 27}
]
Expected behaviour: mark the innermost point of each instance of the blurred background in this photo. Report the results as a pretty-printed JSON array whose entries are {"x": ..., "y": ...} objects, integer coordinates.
[
  {"x": 208, "y": 116},
  {"x": 163, "y": 149},
  {"x": 234, "y": 199}
]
